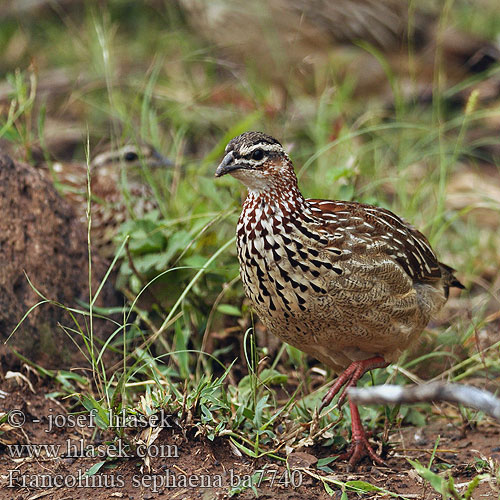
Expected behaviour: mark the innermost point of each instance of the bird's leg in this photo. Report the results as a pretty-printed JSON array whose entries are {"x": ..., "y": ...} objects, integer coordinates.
[
  {"x": 359, "y": 447},
  {"x": 349, "y": 378}
]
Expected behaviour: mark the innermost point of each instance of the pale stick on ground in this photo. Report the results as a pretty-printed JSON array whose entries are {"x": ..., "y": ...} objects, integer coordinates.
[{"x": 436, "y": 391}]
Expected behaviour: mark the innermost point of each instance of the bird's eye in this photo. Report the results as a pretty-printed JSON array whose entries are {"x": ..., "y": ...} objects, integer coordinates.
[
  {"x": 131, "y": 156},
  {"x": 258, "y": 154}
]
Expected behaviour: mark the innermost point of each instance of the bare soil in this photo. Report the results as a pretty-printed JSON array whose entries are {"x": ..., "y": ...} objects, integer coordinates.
[
  {"x": 43, "y": 240},
  {"x": 193, "y": 467}
]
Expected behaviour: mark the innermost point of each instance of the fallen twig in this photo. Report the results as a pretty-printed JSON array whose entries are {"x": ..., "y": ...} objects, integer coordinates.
[{"x": 436, "y": 391}]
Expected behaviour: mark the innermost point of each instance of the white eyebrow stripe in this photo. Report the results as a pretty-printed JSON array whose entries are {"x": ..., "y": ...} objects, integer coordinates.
[{"x": 245, "y": 150}]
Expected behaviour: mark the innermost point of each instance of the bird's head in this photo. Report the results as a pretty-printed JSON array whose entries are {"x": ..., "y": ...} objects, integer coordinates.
[
  {"x": 131, "y": 156},
  {"x": 258, "y": 161}
]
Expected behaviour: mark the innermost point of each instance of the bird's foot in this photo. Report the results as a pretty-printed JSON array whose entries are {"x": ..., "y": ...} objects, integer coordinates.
[
  {"x": 358, "y": 449},
  {"x": 349, "y": 377}
]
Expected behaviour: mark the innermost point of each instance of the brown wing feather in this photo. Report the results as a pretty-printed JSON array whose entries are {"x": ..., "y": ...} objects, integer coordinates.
[{"x": 408, "y": 246}]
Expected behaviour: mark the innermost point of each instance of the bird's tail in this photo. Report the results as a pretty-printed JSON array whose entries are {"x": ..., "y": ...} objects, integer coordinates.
[{"x": 449, "y": 279}]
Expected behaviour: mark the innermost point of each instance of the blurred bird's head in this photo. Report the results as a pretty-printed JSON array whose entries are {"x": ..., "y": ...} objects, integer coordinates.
[{"x": 131, "y": 155}]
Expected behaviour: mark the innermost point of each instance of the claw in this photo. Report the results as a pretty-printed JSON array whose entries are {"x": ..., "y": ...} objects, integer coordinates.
[
  {"x": 359, "y": 447},
  {"x": 357, "y": 451}
]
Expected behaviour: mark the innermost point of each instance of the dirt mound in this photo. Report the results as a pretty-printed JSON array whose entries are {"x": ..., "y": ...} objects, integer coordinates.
[{"x": 40, "y": 236}]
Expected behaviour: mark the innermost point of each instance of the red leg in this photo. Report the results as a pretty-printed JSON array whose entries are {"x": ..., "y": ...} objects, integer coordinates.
[
  {"x": 359, "y": 447},
  {"x": 349, "y": 378}
]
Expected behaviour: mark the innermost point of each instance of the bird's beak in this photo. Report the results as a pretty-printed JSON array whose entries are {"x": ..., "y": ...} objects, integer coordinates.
[
  {"x": 226, "y": 165},
  {"x": 161, "y": 161}
]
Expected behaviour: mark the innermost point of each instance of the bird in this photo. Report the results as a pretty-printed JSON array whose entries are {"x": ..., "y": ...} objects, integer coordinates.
[
  {"x": 112, "y": 203},
  {"x": 351, "y": 284}
]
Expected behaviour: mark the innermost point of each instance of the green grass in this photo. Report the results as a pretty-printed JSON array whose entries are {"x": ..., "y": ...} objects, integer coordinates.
[{"x": 145, "y": 82}]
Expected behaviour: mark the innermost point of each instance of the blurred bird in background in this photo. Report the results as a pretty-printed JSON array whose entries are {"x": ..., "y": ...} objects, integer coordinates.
[{"x": 119, "y": 190}]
